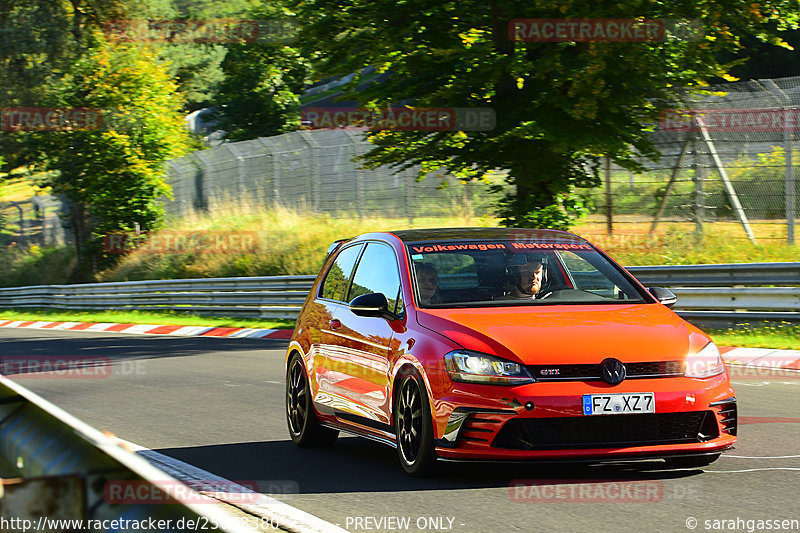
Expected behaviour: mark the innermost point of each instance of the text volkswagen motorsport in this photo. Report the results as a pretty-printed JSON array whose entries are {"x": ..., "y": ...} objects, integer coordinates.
[{"x": 494, "y": 344}]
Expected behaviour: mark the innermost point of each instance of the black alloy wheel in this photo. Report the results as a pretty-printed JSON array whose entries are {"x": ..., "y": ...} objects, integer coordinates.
[
  {"x": 414, "y": 428},
  {"x": 304, "y": 427}
]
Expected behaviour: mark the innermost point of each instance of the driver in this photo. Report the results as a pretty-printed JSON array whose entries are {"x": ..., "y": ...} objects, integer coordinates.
[{"x": 525, "y": 281}]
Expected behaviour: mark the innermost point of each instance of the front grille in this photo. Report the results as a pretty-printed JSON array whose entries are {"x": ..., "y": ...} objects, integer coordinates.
[
  {"x": 604, "y": 431},
  {"x": 650, "y": 369},
  {"x": 656, "y": 368}
]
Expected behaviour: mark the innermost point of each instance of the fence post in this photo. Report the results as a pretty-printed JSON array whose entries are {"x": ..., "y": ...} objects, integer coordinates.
[
  {"x": 276, "y": 169},
  {"x": 671, "y": 183},
  {"x": 22, "y": 239},
  {"x": 733, "y": 198},
  {"x": 789, "y": 192},
  {"x": 359, "y": 173},
  {"x": 314, "y": 152},
  {"x": 241, "y": 173},
  {"x": 41, "y": 214},
  {"x": 410, "y": 182},
  {"x": 698, "y": 204},
  {"x": 609, "y": 206},
  {"x": 201, "y": 194},
  {"x": 467, "y": 201}
]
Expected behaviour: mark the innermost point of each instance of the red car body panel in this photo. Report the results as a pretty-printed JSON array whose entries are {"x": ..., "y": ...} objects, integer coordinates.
[
  {"x": 569, "y": 333},
  {"x": 353, "y": 362}
]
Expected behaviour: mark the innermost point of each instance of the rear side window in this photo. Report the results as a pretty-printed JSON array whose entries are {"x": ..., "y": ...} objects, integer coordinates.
[
  {"x": 334, "y": 287},
  {"x": 377, "y": 272}
]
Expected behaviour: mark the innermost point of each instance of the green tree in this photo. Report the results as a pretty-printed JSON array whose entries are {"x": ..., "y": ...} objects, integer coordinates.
[
  {"x": 559, "y": 106},
  {"x": 210, "y": 9},
  {"x": 759, "y": 60},
  {"x": 40, "y": 40},
  {"x": 260, "y": 94},
  {"x": 196, "y": 67},
  {"x": 114, "y": 176}
]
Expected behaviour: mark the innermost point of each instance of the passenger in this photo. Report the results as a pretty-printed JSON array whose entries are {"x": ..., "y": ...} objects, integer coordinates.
[{"x": 428, "y": 282}]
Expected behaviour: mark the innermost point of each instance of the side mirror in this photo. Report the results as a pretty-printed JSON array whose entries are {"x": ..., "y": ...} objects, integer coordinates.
[
  {"x": 665, "y": 296},
  {"x": 373, "y": 304}
]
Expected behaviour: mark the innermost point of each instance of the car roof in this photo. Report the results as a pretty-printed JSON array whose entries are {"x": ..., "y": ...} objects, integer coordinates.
[{"x": 457, "y": 234}]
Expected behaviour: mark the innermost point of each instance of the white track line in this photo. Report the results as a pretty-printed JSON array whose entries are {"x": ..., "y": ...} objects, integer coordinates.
[
  {"x": 751, "y": 470},
  {"x": 288, "y": 517},
  {"x": 760, "y": 457}
]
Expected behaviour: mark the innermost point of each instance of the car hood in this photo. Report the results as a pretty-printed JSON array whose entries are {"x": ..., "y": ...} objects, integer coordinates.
[{"x": 569, "y": 334}]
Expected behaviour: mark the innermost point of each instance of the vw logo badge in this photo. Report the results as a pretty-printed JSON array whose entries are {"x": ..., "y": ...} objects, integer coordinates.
[{"x": 613, "y": 371}]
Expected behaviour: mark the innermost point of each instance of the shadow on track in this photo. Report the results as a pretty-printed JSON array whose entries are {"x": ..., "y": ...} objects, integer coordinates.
[
  {"x": 102, "y": 348},
  {"x": 359, "y": 465}
]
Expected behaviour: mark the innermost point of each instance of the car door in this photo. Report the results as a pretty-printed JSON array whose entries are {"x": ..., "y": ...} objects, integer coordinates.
[
  {"x": 364, "y": 344},
  {"x": 321, "y": 325}
]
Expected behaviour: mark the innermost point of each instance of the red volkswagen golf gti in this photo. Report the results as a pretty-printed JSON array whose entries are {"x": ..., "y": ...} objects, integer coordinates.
[{"x": 501, "y": 344}]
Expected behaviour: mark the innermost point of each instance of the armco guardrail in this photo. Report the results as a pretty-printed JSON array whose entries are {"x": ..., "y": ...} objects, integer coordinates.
[
  {"x": 724, "y": 295},
  {"x": 721, "y": 275},
  {"x": 63, "y": 468},
  {"x": 707, "y": 294},
  {"x": 261, "y": 297}
]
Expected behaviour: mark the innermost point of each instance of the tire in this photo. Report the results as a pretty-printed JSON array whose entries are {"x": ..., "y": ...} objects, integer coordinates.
[
  {"x": 695, "y": 461},
  {"x": 414, "y": 427},
  {"x": 304, "y": 427}
]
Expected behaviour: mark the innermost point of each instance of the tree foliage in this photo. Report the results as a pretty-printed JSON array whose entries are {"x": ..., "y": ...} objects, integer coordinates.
[
  {"x": 114, "y": 176},
  {"x": 759, "y": 60},
  {"x": 559, "y": 106},
  {"x": 56, "y": 55},
  {"x": 41, "y": 41},
  {"x": 260, "y": 94},
  {"x": 196, "y": 67}
]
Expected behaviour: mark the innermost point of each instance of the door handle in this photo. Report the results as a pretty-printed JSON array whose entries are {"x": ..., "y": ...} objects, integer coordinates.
[{"x": 335, "y": 323}]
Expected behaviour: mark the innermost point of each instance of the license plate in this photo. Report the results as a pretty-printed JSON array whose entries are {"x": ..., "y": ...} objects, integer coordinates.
[{"x": 619, "y": 404}]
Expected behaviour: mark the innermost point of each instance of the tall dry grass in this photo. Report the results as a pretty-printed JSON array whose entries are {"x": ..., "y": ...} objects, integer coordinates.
[
  {"x": 678, "y": 243},
  {"x": 294, "y": 241},
  {"x": 289, "y": 241}
]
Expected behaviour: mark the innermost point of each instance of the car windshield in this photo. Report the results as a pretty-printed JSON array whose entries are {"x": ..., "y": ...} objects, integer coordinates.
[{"x": 512, "y": 273}]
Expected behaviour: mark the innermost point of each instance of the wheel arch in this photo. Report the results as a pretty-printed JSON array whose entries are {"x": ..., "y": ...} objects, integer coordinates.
[
  {"x": 293, "y": 348},
  {"x": 408, "y": 364}
]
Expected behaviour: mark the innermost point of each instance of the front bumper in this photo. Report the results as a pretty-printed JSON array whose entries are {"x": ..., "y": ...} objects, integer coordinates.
[{"x": 545, "y": 421}]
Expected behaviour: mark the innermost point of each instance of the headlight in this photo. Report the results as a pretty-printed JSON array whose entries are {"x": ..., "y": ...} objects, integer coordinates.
[
  {"x": 705, "y": 363},
  {"x": 475, "y": 367}
]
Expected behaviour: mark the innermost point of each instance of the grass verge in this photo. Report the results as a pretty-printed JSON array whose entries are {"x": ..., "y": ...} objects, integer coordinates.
[
  {"x": 142, "y": 317},
  {"x": 784, "y": 336}
]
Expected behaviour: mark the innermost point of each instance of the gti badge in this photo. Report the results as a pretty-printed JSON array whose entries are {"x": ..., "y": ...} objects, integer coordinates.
[
  {"x": 613, "y": 371},
  {"x": 550, "y": 371}
]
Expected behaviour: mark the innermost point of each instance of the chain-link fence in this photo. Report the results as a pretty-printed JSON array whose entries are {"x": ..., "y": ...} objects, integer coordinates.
[
  {"x": 728, "y": 166},
  {"x": 315, "y": 171}
]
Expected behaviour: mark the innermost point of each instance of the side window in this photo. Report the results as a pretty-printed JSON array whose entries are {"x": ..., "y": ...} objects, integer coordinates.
[
  {"x": 338, "y": 277},
  {"x": 377, "y": 272}
]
